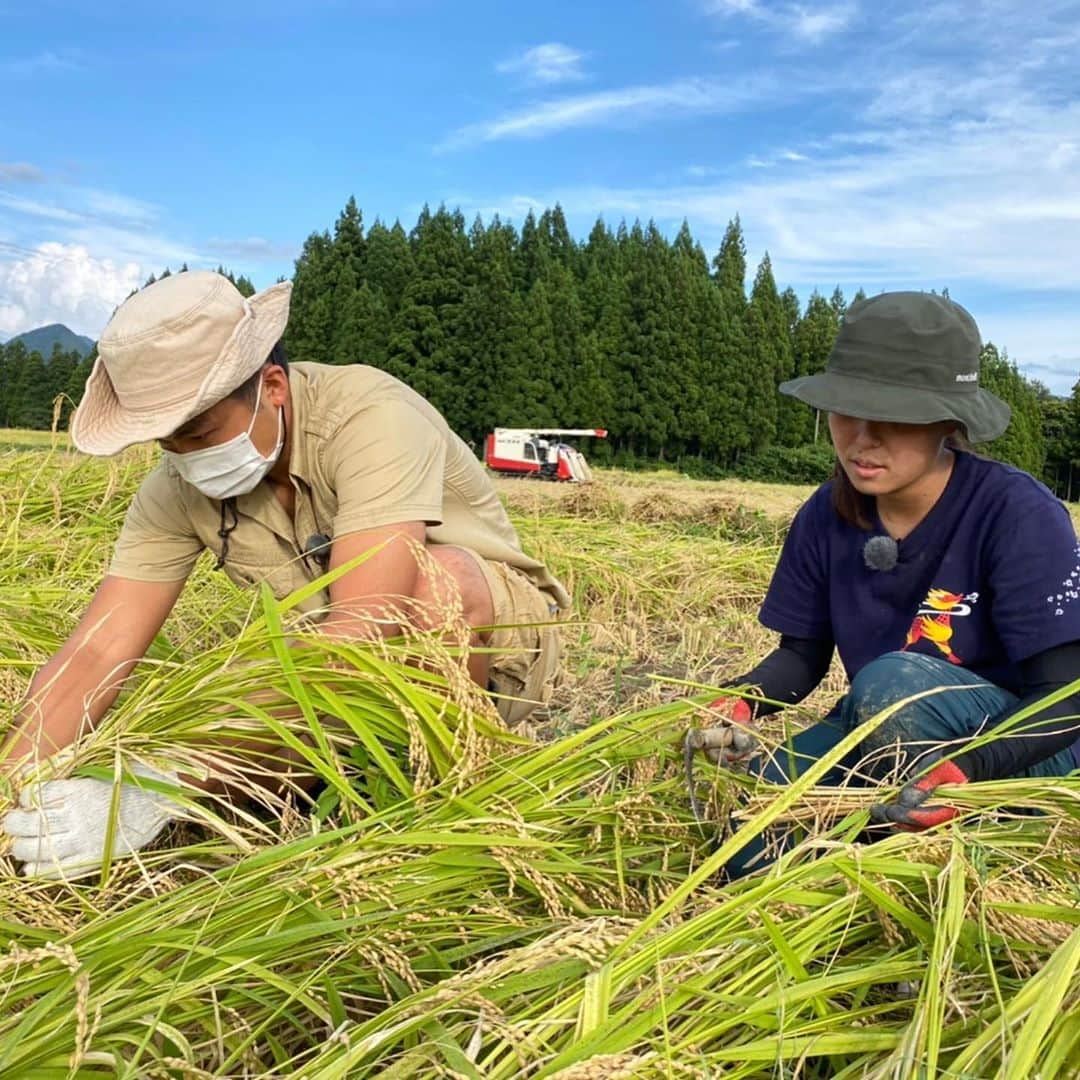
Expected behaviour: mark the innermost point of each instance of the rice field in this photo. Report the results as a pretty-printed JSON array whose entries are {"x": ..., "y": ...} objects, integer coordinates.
[{"x": 467, "y": 901}]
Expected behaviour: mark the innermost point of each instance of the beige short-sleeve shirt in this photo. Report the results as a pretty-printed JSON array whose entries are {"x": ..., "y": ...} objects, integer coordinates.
[{"x": 365, "y": 451}]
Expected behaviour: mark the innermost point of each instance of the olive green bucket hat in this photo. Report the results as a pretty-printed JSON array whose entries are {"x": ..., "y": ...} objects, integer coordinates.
[{"x": 908, "y": 357}]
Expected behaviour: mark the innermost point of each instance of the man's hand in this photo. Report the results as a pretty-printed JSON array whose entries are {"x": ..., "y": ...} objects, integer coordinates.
[
  {"x": 61, "y": 827},
  {"x": 910, "y": 812},
  {"x": 731, "y": 741}
]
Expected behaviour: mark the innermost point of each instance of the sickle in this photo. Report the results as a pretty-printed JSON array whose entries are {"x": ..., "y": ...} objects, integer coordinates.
[{"x": 693, "y": 742}]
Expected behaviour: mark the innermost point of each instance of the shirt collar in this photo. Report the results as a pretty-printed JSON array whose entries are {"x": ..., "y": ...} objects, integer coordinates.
[{"x": 300, "y": 463}]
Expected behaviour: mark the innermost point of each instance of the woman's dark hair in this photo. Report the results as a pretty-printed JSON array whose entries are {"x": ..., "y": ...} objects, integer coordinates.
[
  {"x": 858, "y": 509},
  {"x": 248, "y": 390}
]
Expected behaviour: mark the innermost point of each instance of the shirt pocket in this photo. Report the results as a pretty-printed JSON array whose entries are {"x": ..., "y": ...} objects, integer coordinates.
[{"x": 283, "y": 578}]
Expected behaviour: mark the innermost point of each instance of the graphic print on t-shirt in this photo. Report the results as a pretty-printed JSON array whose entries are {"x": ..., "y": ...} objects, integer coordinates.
[{"x": 933, "y": 620}]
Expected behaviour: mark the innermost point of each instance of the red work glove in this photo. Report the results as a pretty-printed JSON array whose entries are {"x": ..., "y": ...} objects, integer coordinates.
[
  {"x": 910, "y": 811},
  {"x": 731, "y": 741}
]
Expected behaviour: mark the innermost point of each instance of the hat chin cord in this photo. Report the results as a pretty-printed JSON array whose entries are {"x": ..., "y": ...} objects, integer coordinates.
[{"x": 228, "y": 506}]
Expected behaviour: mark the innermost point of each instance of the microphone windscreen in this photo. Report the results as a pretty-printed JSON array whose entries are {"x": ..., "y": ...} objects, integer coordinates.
[{"x": 880, "y": 553}]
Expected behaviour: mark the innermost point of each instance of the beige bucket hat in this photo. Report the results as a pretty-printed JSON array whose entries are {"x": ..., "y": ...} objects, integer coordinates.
[{"x": 169, "y": 353}]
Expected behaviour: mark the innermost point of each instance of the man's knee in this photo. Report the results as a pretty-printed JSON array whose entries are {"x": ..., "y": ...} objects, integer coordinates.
[{"x": 450, "y": 583}]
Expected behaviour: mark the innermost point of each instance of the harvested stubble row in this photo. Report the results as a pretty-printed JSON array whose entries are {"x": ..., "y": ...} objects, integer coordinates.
[{"x": 471, "y": 904}]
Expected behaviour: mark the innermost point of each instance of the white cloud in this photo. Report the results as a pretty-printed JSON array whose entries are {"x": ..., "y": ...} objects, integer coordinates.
[
  {"x": 63, "y": 283},
  {"x": 759, "y": 161},
  {"x": 1043, "y": 342},
  {"x": 36, "y": 208},
  {"x": 42, "y": 63},
  {"x": 802, "y": 22},
  {"x": 984, "y": 207},
  {"x": 630, "y": 103},
  {"x": 974, "y": 204},
  {"x": 550, "y": 63},
  {"x": 119, "y": 209},
  {"x": 251, "y": 247},
  {"x": 948, "y": 168},
  {"x": 815, "y": 25},
  {"x": 731, "y": 7},
  {"x": 20, "y": 172},
  {"x": 72, "y": 253}
]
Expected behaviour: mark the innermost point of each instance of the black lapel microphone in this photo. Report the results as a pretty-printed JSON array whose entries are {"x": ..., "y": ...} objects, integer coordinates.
[
  {"x": 317, "y": 548},
  {"x": 881, "y": 553}
]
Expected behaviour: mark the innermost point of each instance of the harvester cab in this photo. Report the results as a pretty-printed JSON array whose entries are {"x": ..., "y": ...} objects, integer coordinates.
[{"x": 539, "y": 453}]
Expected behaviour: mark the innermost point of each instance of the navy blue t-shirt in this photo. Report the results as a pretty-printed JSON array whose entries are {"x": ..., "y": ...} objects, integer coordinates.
[{"x": 990, "y": 577}]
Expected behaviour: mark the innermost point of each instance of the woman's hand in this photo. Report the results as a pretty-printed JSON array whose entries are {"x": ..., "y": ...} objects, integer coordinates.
[
  {"x": 910, "y": 811},
  {"x": 730, "y": 741}
]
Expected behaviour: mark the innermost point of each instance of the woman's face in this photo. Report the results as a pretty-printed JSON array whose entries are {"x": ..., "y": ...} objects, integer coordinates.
[{"x": 884, "y": 458}]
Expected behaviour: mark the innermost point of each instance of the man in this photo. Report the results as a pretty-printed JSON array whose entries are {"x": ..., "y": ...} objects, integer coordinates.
[{"x": 283, "y": 472}]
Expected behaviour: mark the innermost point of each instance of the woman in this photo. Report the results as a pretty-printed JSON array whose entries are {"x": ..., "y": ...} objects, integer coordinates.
[{"x": 926, "y": 566}]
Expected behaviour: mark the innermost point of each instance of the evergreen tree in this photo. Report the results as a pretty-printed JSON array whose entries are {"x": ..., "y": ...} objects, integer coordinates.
[
  {"x": 1061, "y": 436},
  {"x": 427, "y": 347},
  {"x": 346, "y": 328},
  {"x": 574, "y": 392},
  {"x": 719, "y": 376},
  {"x": 243, "y": 284},
  {"x": 814, "y": 338},
  {"x": 626, "y": 331},
  {"x": 740, "y": 401},
  {"x": 309, "y": 334},
  {"x": 76, "y": 385},
  {"x": 560, "y": 245},
  {"x": 599, "y": 267},
  {"x": 350, "y": 247},
  {"x": 492, "y": 329},
  {"x": 9, "y": 363},
  {"x": 369, "y": 315},
  {"x": 662, "y": 375},
  {"x": 59, "y": 370},
  {"x": 31, "y": 400},
  {"x": 770, "y": 362},
  {"x": 634, "y": 418},
  {"x": 602, "y": 296},
  {"x": 533, "y": 402},
  {"x": 532, "y": 253},
  {"x": 689, "y": 269},
  {"x": 389, "y": 262},
  {"x": 1022, "y": 443},
  {"x": 789, "y": 301}
]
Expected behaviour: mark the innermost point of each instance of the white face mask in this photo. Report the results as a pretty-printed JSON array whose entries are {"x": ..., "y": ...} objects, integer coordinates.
[{"x": 231, "y": 469}]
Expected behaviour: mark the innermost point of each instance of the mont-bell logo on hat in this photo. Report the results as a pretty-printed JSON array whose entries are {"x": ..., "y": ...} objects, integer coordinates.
[{"x": 969, "y": 376}]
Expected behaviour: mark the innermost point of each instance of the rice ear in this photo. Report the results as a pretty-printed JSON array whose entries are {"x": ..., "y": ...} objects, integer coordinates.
[{"x": 464, "y": 901}]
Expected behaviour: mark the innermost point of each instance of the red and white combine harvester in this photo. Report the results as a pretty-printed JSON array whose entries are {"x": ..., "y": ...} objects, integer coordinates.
[{"x": 538, "y": 453}]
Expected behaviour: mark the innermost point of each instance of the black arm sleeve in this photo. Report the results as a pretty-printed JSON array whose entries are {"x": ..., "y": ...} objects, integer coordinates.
[
  {"x": 1040, "y": 735},
  {"x": 789, "y": 672}
]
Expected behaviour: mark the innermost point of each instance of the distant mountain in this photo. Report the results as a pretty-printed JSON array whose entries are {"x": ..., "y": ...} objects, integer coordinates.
[{"x": 44, "y": 338}]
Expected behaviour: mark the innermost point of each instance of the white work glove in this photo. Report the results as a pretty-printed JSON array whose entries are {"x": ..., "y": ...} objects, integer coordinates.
[{"x": 60, "y": 828}]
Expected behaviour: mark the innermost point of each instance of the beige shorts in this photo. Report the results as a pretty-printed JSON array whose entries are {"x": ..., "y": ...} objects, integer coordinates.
[{"x": 526, "y": 641}]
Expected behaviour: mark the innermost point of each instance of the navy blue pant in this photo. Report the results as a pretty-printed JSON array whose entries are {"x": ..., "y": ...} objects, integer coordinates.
[{"x": 896, "y": 744}]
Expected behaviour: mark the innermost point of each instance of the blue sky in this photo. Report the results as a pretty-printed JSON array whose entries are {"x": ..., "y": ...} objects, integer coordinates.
[{"x": 937, "y": 144}]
